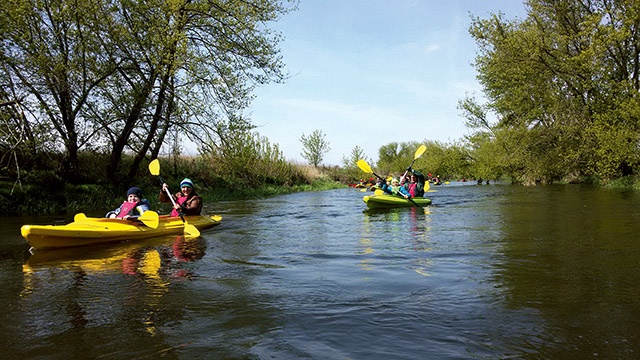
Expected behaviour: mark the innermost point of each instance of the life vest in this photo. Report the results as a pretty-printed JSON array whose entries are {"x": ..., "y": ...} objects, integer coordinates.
[
  {"x": 126, "y": 208},
  {"x": 412, "y": 189},
  {"x": 180, "y": 200}
]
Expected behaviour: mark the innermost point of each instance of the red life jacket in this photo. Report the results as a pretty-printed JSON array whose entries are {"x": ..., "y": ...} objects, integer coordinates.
[
  {"x": 412, "y": 189},
  {"x": 180, "y": 200},
  {"x": 126, "y": 208}
]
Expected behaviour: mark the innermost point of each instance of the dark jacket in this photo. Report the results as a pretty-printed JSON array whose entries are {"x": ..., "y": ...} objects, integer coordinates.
[{"x": 190, "y": 206}]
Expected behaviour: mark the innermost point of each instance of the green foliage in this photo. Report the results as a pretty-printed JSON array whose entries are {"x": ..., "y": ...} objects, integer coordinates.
[
  {"x": 315, "y": 146},
  {"x": 394, "y": 158},
  {"x": 249, "y": 160},
  {"x": 351, "y": 173},
  {"x": 563, "y": 85},
  {"x": 119, "y": 76}
]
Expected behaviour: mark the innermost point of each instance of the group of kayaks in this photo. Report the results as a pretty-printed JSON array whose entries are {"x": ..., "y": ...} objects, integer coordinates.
[{"x": 88, "y": 230}]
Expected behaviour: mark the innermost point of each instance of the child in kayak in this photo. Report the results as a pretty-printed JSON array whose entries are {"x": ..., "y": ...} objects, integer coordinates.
[
  {"x": 393, "y": 187},
  {"x": 132, "y": 207},
  {"x": 186, "y": 202}
]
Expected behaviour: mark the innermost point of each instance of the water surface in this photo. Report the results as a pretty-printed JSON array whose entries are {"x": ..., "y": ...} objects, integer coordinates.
[{"x": 490, "y": 271}]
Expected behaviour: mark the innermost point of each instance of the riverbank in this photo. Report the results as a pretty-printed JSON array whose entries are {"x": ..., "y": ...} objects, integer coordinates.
[{"x": 49, "y": 195}]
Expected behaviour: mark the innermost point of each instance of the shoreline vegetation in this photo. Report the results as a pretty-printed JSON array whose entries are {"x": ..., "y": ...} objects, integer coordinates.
[{"x": 43, "y": 192}]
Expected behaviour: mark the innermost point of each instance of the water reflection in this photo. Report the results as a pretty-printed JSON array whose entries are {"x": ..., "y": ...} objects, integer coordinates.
[
  {"x": 404, "y": 228},
  {"x": 81, "y": 278},
  {"x": 128, "y": 258}
]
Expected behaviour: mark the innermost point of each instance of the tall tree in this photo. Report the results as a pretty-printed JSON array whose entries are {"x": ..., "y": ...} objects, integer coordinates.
[
  {"x": 53, "y": 52},
  {"x": 315, "y": 146},
  {"x": 557, "y": 82},
  {"x": 118, "y": 75}
]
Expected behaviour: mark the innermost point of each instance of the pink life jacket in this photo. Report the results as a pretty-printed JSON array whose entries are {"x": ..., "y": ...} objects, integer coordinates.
[
  {"x": 412, "y": 189},
  {"x": 180, "y": 200},
  {"x": 126, "y": 208}
]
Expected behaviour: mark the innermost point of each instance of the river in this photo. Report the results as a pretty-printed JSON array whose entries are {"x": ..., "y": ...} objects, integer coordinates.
[{"x": 486, "y": 271}]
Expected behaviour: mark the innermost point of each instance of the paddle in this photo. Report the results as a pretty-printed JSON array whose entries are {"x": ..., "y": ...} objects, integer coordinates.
[
  {"x": 149, "y": 218},
  {"x": 154, "y": 169},
  {"x": 366, "y": 168},
  {"x": 417, "y": 154}
]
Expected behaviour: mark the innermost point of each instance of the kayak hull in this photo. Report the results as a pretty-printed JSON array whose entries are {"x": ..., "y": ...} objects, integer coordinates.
[
  {"x": 90, "y": 231},
  {"x": 386, "y": 201}
]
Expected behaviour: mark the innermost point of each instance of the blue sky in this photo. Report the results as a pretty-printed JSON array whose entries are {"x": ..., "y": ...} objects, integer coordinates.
[{"x": 371, "y": 72}]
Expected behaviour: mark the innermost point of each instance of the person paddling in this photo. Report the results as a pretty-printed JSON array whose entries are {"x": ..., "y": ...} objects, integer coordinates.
[
  {"x": 187, "y": 201},
  {"x": 415, "y": 183},
  {"x": 132, "y": 207}
]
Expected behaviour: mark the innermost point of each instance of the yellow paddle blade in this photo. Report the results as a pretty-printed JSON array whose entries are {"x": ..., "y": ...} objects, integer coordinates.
[
  {"x": 364, "y": 166},
  {"x": 190, "y": 230},
  {"x": 420, "y": 151},
  {"x": 149, "y": 218},
  {"x": 79, "y": 217},
  {"x": 154, "y": 167},
  {"x": 426, "y": 186}
]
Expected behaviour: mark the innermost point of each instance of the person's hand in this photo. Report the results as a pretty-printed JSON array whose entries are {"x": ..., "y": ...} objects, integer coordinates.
[{"x": 165, "y": 187}]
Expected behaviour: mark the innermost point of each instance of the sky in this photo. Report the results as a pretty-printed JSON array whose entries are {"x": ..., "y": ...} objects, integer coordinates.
[{"x": 371, "y": 72}]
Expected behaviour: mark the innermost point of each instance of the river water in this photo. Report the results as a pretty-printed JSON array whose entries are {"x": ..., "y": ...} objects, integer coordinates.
[{"x": 487, "y": 271}]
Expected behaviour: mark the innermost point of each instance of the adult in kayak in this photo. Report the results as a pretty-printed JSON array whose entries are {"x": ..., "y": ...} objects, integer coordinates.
[
  {"x": 187, "y": 201},
  {"x": 132, "y": 207},
  {"x": 414, "y": 182}
]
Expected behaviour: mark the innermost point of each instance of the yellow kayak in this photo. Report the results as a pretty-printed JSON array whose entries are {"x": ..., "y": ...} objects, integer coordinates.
[{"x": 87, "y": 231}]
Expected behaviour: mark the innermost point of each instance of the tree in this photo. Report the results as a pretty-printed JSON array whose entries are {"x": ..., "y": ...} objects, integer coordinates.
[
  {"x": 117, "y": 75},
  {"x": 53, "y": 52},
  {"x": 395, "y": 157},
  {"x": 314, "y": 147},
  {"x": 349, "y": 164},
  {"x": 564, "y": 85},
  {"x": 356, "y": 154}
]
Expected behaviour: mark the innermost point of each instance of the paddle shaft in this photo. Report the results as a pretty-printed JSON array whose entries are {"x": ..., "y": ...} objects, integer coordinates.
[
  {"x": 418, "y": 153},
  {"x": 171, "y": 198},
  {"x": 413, "y": 202}
]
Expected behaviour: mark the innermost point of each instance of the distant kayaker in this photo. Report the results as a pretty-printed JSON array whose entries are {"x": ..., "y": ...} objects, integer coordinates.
[
  {"x": 131, "y": 208},
  {"x": 187, "y": 201}
]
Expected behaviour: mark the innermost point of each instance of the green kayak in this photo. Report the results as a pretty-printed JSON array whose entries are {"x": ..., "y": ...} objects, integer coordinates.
[{"x": 386, "y": 201}]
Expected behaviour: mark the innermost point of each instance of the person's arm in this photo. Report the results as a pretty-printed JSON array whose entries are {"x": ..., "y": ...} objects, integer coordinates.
[
  {"x": 193, "y": 206},
  {"x": 114, "y": 213},
  {"x": 404, "y": 192},
  {"x": 162, "y": 197}
]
